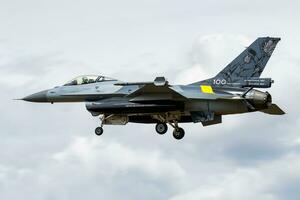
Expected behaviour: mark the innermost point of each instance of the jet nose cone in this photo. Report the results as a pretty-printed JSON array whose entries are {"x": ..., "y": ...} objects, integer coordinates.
[{"x": 37, "y": 97}]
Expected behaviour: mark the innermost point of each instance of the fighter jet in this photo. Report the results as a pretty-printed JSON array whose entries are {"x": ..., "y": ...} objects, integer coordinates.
[{"x": 231, "y": 91}]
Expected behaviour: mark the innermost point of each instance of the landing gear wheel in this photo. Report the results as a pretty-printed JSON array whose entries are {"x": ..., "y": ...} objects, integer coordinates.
[
  {"x": 161, "y": 128},
  {"x": 99, "y": 131},
  {"x": 178, "y": 133}
]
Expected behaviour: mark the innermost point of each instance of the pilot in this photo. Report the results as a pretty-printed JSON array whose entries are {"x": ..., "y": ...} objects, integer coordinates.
[
  {"x": 85, "y": 80},
  {"x": 74, "y": 82}
]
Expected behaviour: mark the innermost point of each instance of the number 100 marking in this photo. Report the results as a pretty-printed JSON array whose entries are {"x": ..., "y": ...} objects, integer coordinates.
[{"x": 219, "y": 81}]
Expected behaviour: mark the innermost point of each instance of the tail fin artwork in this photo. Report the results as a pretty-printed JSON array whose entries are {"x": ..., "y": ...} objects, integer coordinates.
[{"x": 248, "y": 65}]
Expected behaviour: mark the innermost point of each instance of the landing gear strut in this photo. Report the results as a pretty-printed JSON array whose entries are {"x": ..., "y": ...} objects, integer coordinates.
[
  {"x": 99, "y": 130},
  {"x": 161, "y": 128}
]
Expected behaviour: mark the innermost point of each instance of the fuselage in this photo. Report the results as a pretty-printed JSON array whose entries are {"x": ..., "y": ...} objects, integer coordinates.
[{"x": 107, "y": 97}]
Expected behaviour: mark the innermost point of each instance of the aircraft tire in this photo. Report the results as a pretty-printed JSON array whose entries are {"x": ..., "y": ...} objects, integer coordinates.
[
  {"x": 178, "y": 133},
  {"x": 99, "y": 131},
  {"x": 161, "y": 128}
]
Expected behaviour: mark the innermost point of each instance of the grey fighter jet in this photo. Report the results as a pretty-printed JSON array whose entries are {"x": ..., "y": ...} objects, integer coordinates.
[{"x": 231, "y": 91}]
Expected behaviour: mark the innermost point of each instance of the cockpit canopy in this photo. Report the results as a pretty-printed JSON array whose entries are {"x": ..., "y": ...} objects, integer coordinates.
[{"x": 86, "y": 79}]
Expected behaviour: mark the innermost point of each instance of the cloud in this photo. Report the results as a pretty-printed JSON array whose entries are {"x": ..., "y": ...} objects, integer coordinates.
[
  {"x": 118, "y": 158},
  {"x": 111, "y": 166},
  {"x": 269, "y": 180}
]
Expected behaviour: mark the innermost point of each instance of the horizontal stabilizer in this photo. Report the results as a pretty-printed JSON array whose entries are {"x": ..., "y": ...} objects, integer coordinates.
[{"x": 273, "y": 110}]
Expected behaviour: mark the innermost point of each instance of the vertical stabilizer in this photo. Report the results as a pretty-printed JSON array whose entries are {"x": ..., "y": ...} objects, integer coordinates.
[{"x": 249, "y": 64}]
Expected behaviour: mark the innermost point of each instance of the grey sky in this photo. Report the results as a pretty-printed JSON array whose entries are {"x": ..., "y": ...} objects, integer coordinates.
[{"x": 50, "y": 151}]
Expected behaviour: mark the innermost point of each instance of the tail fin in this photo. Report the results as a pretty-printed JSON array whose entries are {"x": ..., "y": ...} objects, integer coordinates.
[{"x": 249, "y": 64}]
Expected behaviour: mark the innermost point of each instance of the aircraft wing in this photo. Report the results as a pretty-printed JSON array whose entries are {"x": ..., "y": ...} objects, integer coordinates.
[
  {"x": 160, "y": 90},
  {"x": 151, "y": 92}
]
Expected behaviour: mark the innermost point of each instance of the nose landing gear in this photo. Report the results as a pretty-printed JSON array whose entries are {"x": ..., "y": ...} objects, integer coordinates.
[{"x": 99, "y": 131}]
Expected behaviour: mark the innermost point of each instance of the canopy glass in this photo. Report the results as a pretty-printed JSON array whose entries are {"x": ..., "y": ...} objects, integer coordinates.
[{"x": 87, "y": 79}]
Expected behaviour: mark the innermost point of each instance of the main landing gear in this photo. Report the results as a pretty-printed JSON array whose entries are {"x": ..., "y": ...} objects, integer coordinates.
[
  {"x": 162, "y": 128},
  {"x": 178, "y": 133}
]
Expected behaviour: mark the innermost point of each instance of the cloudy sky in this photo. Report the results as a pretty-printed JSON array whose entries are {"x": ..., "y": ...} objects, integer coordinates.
[{"x": 51, "y": 152}]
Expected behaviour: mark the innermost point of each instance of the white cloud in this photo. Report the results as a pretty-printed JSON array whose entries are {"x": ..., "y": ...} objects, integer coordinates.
[
  {"x": 259, "y": 182},
  {"x": 115, "y": 158}
]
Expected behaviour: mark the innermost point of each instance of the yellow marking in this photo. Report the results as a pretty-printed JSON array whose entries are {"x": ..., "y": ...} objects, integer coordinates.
[{"x": 206, "y": 89}]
